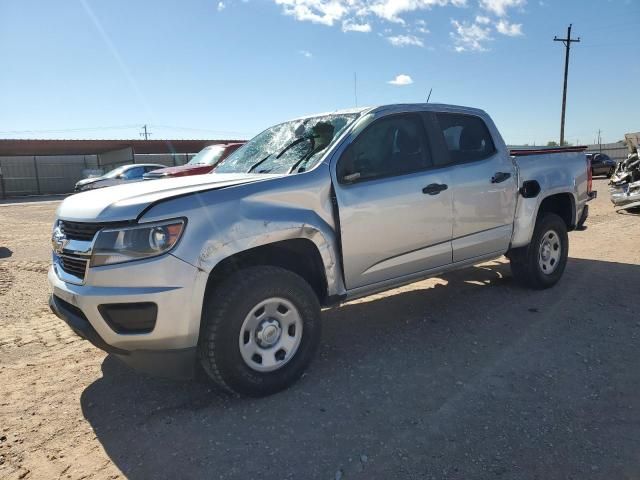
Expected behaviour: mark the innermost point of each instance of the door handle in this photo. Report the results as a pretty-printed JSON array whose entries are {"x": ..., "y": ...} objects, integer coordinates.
[
  {"x": 499, "y": 177},
  {"x": 434, "y": 188}
]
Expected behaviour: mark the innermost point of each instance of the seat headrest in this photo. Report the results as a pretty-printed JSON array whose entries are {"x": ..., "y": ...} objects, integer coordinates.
[
  {"x": 470, "y": 139},
  {"x": 406, "y": 143}
]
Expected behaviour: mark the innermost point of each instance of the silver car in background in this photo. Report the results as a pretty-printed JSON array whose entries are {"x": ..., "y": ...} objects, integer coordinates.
[{"x": 117, "y": 176}]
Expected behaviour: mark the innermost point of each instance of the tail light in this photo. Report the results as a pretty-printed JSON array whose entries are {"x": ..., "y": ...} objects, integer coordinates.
[{"x": 589, "y": 176}]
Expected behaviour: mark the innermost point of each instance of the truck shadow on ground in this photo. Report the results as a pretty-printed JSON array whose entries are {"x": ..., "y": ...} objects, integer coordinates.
[{"x": 450, "y": 377}]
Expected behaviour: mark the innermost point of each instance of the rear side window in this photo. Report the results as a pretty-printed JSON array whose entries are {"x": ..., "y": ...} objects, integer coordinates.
[
  {"x": 134, "y": 173},
  {"x": 390, "y": 146},
  {"x": 466, "y": 136}
]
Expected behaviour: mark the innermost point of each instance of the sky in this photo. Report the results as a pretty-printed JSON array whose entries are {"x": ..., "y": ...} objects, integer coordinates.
[{"x": 228, "y": 69}]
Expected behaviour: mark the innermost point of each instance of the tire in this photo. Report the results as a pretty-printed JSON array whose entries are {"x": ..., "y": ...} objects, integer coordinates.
[
  {"x": 269, "y": 311},
  {"x": 610, "y": 172},
  {"x": 541, "y": 264}
]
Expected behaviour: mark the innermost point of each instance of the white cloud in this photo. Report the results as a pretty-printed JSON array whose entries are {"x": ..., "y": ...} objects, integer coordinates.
[
  {"x": 401, "y": 80},
  {"x": 405, "y": 40},
  {"x": 349, "y": 26},
  {"x": 366, "y": 15},
  {"x": 328, "y": 12},
  {"x": 470, "y": 37},
  {"x": 325, "y": 12},
  {"x": 509, "y": 29},
  {"x": 500, "y": 7},
  {"x": 305, "y": 53}
]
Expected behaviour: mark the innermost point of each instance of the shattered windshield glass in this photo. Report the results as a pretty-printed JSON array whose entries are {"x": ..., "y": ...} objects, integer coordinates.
[{"x": 290, "y": 147}]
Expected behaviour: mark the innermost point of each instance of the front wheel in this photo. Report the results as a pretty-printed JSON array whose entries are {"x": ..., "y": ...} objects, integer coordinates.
[
  {"x": 541, "y": 264},
  {"x": 261, "y": 328}
]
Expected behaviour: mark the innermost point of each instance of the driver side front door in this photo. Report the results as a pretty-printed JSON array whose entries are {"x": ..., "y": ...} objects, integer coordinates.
[{"x": 395, "y": 208}]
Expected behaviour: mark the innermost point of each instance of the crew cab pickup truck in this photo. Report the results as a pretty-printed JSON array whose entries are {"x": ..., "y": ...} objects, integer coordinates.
[{"x": 230, "y": 270}]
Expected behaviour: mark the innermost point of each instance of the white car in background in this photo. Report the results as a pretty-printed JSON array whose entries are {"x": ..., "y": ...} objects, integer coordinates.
[{"x": 124, "y": 174}]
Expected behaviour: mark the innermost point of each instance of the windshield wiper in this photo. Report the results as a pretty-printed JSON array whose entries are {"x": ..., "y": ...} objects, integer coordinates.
[
  {"x": 257, "y": 164},
  {"x": 282, "y": 152}
]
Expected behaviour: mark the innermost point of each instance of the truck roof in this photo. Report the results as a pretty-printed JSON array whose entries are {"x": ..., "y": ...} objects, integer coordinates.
[{"x": 440, "y": 107}]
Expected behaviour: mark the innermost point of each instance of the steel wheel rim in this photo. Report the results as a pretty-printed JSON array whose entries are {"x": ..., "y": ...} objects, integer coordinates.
[
  {"x": 270, "y": 335},
  {"x": 549, "y": 252}
]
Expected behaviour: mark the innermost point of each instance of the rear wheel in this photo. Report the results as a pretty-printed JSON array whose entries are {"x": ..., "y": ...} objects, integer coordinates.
[
  {"x": 541, "y": 264},
  {"x": 261, "y": 328}
]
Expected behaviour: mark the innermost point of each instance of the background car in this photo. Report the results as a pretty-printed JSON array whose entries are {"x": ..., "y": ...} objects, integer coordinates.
[
  {"x": 205, "y": 161},
  {"x": 601, "y": 164},
  {"x": 124, "y": 174}
]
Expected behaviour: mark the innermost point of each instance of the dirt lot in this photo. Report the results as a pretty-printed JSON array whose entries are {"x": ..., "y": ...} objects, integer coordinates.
[{"x": 466, "y": 376}]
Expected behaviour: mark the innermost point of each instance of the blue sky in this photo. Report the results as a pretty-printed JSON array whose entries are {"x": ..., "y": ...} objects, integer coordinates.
[{"x": 211, "y": 69}]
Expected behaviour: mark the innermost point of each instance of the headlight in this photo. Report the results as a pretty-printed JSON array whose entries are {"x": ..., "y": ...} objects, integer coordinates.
[{"x": 125, "y": 244}]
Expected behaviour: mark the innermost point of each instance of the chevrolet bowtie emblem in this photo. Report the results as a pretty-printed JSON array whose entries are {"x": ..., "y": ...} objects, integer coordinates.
[{"x": 58, "y": 240}]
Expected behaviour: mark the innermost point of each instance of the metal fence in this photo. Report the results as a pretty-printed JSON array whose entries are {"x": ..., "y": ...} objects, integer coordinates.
[
  {"x": 615, "y": 151},
  {"x": 48, "y": 175}
]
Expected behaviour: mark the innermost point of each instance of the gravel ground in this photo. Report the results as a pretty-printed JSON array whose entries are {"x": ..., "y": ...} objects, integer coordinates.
[{"x": 466, "y": 376}]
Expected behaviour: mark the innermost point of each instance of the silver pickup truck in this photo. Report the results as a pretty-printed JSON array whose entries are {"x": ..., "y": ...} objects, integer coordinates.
[{"x": 230, "y": 270}]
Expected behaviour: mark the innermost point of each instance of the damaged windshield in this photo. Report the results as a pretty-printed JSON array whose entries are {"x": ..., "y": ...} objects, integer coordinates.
[{"x": 290, "y": 147}]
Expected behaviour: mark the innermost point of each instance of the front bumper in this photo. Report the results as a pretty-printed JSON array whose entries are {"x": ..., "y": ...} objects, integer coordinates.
[{"x": 175, "y": 287}]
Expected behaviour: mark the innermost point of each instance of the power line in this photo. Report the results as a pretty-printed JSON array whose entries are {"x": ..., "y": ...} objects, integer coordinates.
[
  {"x": 63, "y": 130},
  {"x": 567, "y": 45}
]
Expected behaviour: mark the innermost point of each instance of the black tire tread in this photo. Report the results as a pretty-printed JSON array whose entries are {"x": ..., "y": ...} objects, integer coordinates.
[
  {"x": 219, "y": 300},
  {"x": 524, "y": 260}
]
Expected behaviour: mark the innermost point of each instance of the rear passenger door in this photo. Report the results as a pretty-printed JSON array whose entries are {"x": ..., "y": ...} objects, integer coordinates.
[
  {"x": 394, "y": 207},
  {"x": 483, "y": 186}
]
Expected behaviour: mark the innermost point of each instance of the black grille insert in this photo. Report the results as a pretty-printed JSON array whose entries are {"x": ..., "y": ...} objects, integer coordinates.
[
  {"x": 80, "y": 231},
  {"x": 73, "y": 264}
]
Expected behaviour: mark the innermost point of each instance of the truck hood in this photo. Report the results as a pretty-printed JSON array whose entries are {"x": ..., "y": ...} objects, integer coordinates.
[{"x": 126, "y": 202}]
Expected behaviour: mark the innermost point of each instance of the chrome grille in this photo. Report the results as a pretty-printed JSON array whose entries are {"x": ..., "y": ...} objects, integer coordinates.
[{"x": 75, "y": 265}]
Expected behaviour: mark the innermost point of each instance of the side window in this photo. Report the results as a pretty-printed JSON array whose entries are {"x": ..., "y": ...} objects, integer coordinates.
[
  {"x": 134, "y": 173},
  {"x": 390, "y": 146},
  {"x": 467, "y": 137}
]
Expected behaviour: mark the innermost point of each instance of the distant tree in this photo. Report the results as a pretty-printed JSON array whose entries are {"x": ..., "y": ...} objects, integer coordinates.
[{"x": 556, "y": 144}]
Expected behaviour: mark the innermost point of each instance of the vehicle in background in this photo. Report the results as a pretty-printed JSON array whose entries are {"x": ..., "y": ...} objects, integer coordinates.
[
  {"x": 625, "y": 183},
  {"x": 124, "y": 174},
  {"x": 230, "y": 270},
  {"x": 601, "y": 164},
  {"x": 205, "y": 161}
]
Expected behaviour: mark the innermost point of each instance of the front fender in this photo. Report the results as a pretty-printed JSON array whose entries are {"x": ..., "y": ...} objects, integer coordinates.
[
  {"x": 226, "y": 222},
  {"x": 267, "y": 232}
]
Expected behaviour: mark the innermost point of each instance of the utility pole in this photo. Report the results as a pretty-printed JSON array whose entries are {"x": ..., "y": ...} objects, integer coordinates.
[
  {"x": 600, "y": 139},
  {"x": 567, "y": 44},
  {"x": 145, "y": 133}
]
